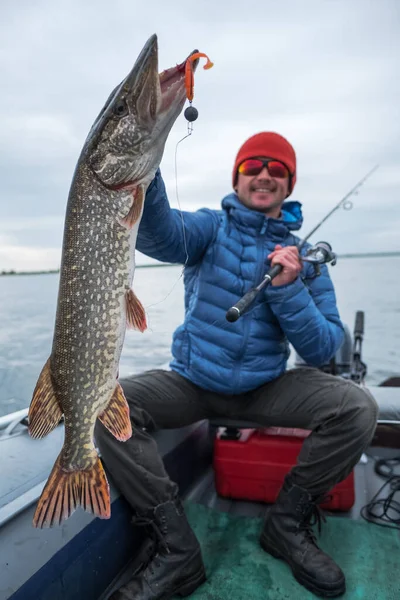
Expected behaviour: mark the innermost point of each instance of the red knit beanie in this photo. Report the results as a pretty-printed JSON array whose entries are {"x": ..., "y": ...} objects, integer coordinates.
[{"x": 270, "y": 145}]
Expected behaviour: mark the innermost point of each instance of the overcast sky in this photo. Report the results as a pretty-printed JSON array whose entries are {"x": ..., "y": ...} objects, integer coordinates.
[{"x": 324, "y": 73}]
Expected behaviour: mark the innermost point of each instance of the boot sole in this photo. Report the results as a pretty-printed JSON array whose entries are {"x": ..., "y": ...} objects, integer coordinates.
[
  {"x": 305, "y": 581},
  {"x": 191, "y": 585}
]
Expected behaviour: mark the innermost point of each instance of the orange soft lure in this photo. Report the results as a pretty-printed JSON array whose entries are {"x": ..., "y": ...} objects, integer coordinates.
[{"x": 189, "y": 74}]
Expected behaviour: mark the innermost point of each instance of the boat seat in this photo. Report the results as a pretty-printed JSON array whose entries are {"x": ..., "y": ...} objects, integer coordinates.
[
  {"x": 234, "y": 423},
  {"x": 388, "y": 400}
]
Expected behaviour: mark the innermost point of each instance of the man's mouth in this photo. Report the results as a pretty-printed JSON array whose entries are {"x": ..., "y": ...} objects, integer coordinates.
[{"x": 260, "y": 190}]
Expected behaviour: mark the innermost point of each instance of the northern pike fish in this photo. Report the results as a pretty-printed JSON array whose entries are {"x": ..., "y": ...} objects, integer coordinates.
[{"x": 95, "y": 301}]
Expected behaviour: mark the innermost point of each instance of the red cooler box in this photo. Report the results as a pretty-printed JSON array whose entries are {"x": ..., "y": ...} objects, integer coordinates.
[{"x": 253, "y": 467}]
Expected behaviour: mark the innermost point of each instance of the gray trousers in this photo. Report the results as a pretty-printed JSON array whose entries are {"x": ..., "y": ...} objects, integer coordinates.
[{"x": 341, "y": 415}]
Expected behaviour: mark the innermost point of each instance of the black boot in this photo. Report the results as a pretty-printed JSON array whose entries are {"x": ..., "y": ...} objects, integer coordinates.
[
  {"x": 288, "y": 534},
  {"x": 175, "y": 566}
]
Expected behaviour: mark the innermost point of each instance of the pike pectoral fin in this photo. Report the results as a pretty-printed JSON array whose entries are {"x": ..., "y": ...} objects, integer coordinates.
[
  {"x": 135, "y": 314},
  {"x": 66, "y": 490},
  {"x": 45, "y": 411},
  {"x": 116, "y": 416},
  {"x": 136, "y": 209}
]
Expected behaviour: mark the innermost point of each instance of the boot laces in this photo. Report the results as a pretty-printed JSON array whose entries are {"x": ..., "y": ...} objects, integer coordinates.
[
  {"x": 311, "y": 514},
  {"x": 156, "y": 534}
]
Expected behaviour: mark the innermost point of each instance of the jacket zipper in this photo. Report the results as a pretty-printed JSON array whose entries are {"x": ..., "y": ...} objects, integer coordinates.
[{"x": 259, "y": 275}]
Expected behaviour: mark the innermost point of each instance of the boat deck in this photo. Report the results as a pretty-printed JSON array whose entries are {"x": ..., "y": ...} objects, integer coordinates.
[
  {"x": 45, "y": 555},
  {"x": 367, "y": 484}
]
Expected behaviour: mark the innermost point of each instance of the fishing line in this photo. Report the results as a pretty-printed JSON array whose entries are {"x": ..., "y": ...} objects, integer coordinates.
[
  {"x": 189, "y": 133},
  {"x": 191, "y": 114}
]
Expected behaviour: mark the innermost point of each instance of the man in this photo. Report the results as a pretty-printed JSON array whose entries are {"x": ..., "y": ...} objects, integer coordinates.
[{"x": 239, "y": 369}]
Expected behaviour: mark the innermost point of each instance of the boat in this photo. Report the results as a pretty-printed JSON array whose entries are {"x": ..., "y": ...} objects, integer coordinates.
[{"x": 87, "y": 558}]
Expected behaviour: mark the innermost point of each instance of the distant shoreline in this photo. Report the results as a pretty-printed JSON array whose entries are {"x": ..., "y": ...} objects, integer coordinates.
[
  {"x": 13, "y": 273},
  {"x": 368, "y": 254}
]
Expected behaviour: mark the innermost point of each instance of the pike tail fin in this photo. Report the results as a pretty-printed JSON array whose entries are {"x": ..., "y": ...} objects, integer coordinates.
[
  {"x": 66, "y": 490},
  {"x": 45, "y": 411}
]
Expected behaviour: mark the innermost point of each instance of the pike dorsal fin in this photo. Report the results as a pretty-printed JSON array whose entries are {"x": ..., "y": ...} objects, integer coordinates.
[
  {"x": 45, "y": 411},
  {"x": 116, "y": 416}
]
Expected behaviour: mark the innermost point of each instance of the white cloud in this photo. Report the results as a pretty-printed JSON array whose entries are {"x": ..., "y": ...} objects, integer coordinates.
[
  {"x": 22, "y": 224},
  {"x": 28, "y": 258},
  {"x": 39, "y": 137},
  {"x": 320, "y": 73}
]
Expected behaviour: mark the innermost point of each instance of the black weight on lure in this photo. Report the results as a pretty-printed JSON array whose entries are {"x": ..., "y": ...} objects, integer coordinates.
[{"x": 191, "y": 113}]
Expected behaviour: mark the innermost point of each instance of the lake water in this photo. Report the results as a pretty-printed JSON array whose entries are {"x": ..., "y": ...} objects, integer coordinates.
[{"x": 28, "y": 303}]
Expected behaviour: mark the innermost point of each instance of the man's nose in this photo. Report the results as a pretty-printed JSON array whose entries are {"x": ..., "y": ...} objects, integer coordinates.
[{"x": 264, "y": 174}]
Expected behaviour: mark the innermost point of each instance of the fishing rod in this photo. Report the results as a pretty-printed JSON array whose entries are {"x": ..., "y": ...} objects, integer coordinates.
[{"x": 319, "y": 254}]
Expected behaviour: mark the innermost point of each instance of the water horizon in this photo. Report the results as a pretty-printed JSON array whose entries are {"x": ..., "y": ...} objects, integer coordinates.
[
  {"x": 347, "y": 255},
  {"x": 28, "y": 305}
]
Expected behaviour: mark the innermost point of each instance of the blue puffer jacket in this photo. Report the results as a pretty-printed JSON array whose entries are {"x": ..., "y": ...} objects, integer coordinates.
[{"x": 226, "y": 252}]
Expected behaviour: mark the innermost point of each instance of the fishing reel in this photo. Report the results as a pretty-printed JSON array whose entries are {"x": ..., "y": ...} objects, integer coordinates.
[{"x": 319, "y": 254}]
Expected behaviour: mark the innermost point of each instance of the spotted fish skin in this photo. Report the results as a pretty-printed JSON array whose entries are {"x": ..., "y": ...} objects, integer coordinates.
[
  {"x": 95, "y": 300},
  {"x": 97, "y": 271}
]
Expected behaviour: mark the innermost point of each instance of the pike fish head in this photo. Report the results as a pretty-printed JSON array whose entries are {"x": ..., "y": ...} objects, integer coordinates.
[{"x": 126, "y": 143}]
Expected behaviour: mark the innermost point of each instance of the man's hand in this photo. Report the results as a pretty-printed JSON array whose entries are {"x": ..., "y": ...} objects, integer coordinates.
[{"x": 289, "y": 259}]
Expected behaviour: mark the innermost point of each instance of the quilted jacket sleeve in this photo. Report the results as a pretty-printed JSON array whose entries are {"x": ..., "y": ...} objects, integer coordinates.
[
  {"x": 169, "y": 235},
  {"x": 309, "y": 317}
]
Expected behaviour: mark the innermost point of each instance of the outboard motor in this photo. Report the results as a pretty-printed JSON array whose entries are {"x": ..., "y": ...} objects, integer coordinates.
[{"x": 347, "y": 361}]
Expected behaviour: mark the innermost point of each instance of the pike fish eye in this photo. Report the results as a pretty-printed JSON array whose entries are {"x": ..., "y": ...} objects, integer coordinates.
[{"x": 121, "y": 109}]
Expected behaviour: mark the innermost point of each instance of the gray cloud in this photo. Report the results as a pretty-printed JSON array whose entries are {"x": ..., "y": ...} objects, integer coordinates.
[{"x": 322, "y": 73}]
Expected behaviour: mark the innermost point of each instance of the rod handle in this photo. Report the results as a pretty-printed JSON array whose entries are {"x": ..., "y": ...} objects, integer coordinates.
[
  {"x": 238, "y": 309},
  {"x": 241, "y": 306},
  {"x": 273, "y": 272}
]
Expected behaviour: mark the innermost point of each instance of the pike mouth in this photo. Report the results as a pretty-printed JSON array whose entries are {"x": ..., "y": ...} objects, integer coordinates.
[
  {"x": 172, "y": 92},
  {"x": 138, "y": 117},
  {"x": 172, "y": 83}
]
